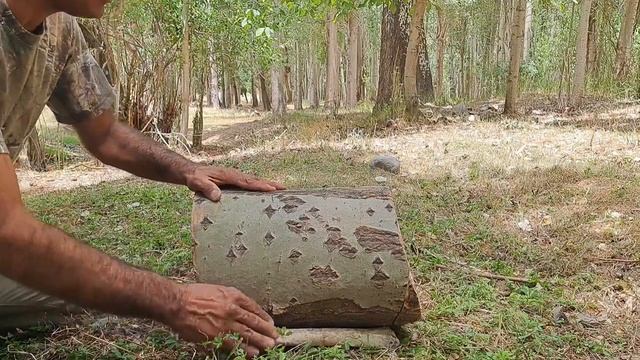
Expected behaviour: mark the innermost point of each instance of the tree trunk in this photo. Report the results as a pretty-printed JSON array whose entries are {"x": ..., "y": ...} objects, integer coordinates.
[
  {"x": 333, "y": 64},
  {"x": 35, "y": 152},
  {"x": 264, "y": 93},
  {"x": 340, "y": 247},
  {"x": 441, "y": 41},
  {"x": 299, "y": 80},
  {"x": 278, "y": 97},
  {"x": 214, "y": 92},
  {"x": 517, "y": 48},
  {"x": 314, "y": 98},
  {"x": 352, "y": 71},
  {"x": 592, "y": 40},
  {"x": 425, "y": 78},
  {"x": 198, "y": 120},
  {"x": 254, "y": 93},
  {"x": 186, "y": 70},
  {"x": 393, "y": 52},
  {"x": 360, "y": 63},
  {"x": 236, "y": 91},
  {"x": 625, "y": 39},
  {"x": 580, "y": 75},
  {"x": 228, "y": 97},
  {"x": 411, "y": 62},
  {"x": 528, "y": 30}
]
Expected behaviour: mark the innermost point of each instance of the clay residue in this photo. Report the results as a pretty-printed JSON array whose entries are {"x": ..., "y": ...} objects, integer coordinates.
[
  {"x": 375, "y": 240},
  {"x": 323, "y": 275}
]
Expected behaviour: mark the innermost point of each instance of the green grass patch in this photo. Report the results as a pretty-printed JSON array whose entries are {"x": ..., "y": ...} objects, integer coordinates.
[{"x": 445, "y": 222}]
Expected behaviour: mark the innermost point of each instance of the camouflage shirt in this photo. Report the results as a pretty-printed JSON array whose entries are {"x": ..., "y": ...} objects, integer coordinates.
[{"x": 51, "y": 67}]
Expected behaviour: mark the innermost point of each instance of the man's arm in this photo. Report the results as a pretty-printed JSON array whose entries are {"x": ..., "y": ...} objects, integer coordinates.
[
  {"x": 123, "y": 147},
  {"x": 46, "y": 259}
]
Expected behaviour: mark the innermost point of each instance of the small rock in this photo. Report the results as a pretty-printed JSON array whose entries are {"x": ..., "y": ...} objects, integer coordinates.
[
  {"x": 85, "y": 213},
  {"x": 603, "y": 247},
  {"x": 559, "y": 317},
  {"x": 133, "y": 205},
  {"x": 525, "y": 225},
  {"x": 472, "y": 118},
  {"x": 381, "y": 179},
  {"x": 387, "y": 163},
  {"x": 460, "y": 110},
  {"x": 591, "y": 321},
  {"x": 615, "y": 215}
]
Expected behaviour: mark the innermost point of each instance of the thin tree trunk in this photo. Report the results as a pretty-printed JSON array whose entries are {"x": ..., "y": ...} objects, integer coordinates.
[
  {"x": 592, "y": 40},
  {"x": 411, "y": 62},
  {"x": 214, "y": 97},
  {"x": 352, "y": 63},
  {"x": 441, "y": 41},
  {"x": 579, "y": 79},
  {"x": 625, "y": 39},
  {"x": 186, "y": 70},
  {"x": 360, "y": 64},
  {"x": 35, "y": 152},
  {"x": 278, "y": 96},
  {"x": 228, "y": 98},
  {"x": 254, "y": 93},
  {"x": 264, "y": 93},
  {"x": 236, "y": 91},
  {"x": 314, "y": 98},
  {"x": 198, "y": 120},
  {"x": 517, "y": 48},
  {"x": 528, "y": 30},
  {"x": 333, "y": 64},
  {"x": 299, "y": 80},
  {"x": 425, "y": 77}
]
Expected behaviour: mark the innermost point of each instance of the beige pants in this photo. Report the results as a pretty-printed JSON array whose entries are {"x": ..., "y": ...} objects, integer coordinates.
[{"x": 21, "y": 307}]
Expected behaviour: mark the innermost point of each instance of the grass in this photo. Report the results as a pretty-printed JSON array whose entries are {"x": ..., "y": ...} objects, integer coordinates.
[{"x": 449, "y": 226}]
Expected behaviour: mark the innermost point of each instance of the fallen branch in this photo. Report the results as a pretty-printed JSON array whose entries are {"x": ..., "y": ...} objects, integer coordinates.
[
  {"x": 626, "y": 261},
  {"x": 489, "y": 275},
  {"x": 470, "y": 269}
]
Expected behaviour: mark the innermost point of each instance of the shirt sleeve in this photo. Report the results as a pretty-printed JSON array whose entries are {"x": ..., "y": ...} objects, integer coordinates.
[
  {"x": 3, "y": 147},
  {"x": 82, "y": 91}
]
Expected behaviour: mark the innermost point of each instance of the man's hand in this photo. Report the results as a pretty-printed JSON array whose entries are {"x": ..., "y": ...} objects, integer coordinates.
[
  {"x": 210, "y": 311},
  {"x": 207, "y": 180}
]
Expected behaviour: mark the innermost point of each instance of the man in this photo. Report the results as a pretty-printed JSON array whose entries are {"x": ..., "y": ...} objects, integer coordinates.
[{"x": 43, "y": 60}]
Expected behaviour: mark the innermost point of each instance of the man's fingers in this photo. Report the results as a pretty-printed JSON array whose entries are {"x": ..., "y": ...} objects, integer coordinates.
[
  {"x": 258, "y": 324},
  {"x": 253, "y": 337},
  {"x": 276, "y": 185},
  {"x": 212, "y": 192},
  {"x": 250, "y": 305},
  {"x": 254, "y": 184}
]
